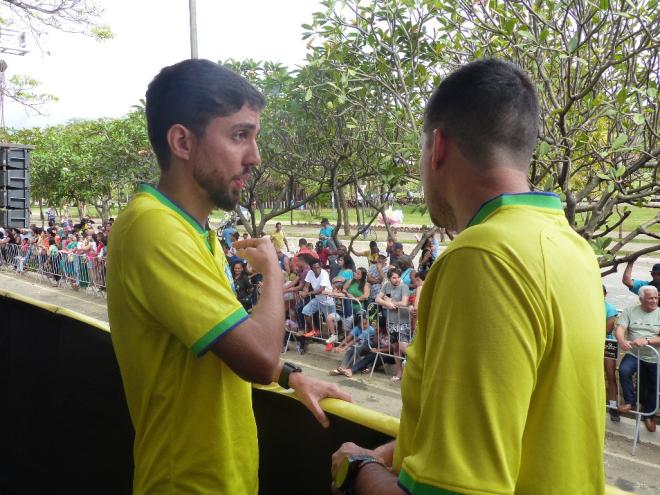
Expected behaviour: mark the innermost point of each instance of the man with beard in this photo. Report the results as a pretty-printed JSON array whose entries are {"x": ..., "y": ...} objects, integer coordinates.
[
  {"x": 171, "y": 300},
  {"x": 503, "y": 389}
]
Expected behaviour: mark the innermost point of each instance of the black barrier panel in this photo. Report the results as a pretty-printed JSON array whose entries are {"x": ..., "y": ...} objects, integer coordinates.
[
  {"x": 64, "y": 424},
  {"x": 295, "y": 450},
  {"x": 65, "y": 428}
]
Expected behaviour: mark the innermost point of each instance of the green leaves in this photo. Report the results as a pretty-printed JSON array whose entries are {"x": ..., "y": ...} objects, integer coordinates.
[{"x": 619, "y": 141}]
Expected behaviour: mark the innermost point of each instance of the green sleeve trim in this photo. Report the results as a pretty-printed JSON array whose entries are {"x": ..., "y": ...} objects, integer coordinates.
[
  {"x": 202, "y": 345},
  {"x": 416, "y": 488}
]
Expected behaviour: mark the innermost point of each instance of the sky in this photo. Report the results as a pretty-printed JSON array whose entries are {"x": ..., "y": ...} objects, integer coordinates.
[{"x": 95, "y": 79}]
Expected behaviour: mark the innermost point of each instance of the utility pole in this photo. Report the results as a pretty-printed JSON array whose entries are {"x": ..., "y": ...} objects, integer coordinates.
[{"x": 193, "y": 28}]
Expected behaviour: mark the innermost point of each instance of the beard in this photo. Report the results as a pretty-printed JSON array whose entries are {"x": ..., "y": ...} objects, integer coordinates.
[
  {"x": 442, "y": 214},
  {"x": 219, "y": 192}
]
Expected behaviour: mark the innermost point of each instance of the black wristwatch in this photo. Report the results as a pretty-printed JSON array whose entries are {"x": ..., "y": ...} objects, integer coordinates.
[
  {"x": 287, "y": 369},
  {"x": 348, "y": 470}
]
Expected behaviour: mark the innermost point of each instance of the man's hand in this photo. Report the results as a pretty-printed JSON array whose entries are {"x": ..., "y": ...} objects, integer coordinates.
[
  {"x": 259, "y": 253},
  {"x": 310, "y": 391},
  {"x": 639, "y": 342},
  {"x": 625, "y": 345},
  {"x": 350, "y": 448}
]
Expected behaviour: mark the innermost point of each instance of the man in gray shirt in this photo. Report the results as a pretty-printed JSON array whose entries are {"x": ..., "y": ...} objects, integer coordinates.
[{"x": 642, "y": 325}]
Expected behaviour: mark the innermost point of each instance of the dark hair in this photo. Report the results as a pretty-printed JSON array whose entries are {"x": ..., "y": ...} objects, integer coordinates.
[
  {"x": 483, "y": 105},
  {"x": 373, "y": 244},
  {"x": 419, "y": 274},
  {"x": 349, "y": 264},
  {"x": 51, "y": 241},
  {"x": 403, "y": 263},
  {"x": 392, "y": 271},
  {"x": 302, "y": 242},
  {"x": 363, "y": 280},
  {"x": 192, "y": 93},
  {"x": 307, "y": 258}
]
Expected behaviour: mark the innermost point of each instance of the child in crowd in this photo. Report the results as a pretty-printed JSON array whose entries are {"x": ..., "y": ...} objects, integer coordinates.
[{"x": 364, "y": 338}]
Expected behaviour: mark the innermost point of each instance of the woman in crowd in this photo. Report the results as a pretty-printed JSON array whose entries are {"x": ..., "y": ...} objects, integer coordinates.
[
  {"x": 359, "y": 290},
  {"x": 346, "y": 268},
  {"x": 426, "y": 258},
  {"x": 242, "y": 285},
  {"x": 404, "y": 264}
]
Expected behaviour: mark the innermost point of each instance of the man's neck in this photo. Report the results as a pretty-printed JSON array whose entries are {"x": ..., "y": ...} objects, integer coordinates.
[
  {"x": 187, "y": 196},
  {"x": 484, "y": 187}
]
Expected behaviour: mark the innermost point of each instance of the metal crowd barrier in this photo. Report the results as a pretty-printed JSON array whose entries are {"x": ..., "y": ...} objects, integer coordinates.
[
  {"x": 637, "y": 412},
  {"x": 379, "y": 318},
  {"x": 75, "y": 271},
  {"x": 612, "y": 352}
]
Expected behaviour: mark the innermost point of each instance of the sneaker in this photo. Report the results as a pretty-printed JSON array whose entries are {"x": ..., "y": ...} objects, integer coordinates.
[
  {"x": 329, "y": 347},
  {"x": 615, "y": 416},
  {"x": 332, "y": 339}
]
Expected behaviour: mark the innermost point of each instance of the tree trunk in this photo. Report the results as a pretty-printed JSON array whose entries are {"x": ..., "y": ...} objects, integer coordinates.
[
  {"x": 41, "y": 212},
  {"x": 344, "y": 211}
]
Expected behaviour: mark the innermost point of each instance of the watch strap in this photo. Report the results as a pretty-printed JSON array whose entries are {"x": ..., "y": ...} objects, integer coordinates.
[{"x": 287, "y": 369}]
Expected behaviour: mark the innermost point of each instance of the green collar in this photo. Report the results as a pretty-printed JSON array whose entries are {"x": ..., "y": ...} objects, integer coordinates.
[
  {"x": 149, "y": 189},
  {"x": 536, "y": 199}
]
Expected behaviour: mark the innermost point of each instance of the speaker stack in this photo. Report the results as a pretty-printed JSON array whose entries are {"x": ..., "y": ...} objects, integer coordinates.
[{"x": 14, "y": 185}]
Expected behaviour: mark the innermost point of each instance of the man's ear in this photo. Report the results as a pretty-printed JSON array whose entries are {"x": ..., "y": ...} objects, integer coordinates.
[
  {"x": 181, "y": 140},
  {"x": 439, "y": 148}
]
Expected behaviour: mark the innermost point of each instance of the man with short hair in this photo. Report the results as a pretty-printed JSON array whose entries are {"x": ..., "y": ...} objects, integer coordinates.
[
  {"x": 279, "y": 238},
  {"x": 503, "y": 387},
  {"x": 317, "y": 282},
  {"x": 634, "y": 284},
  {"x": 641, "y": 323},
  {"x": 325, "y": 234},
  {"x": 169, "y": 303}
]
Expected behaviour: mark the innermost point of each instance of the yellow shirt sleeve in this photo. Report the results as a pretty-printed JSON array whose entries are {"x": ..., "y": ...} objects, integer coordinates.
[{"x": 179, "y": 283}]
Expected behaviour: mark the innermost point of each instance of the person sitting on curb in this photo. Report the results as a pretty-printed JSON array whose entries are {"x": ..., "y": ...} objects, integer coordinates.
[
  {"x": 363, "y": 336},
  {"x": 642, "y": 324}
]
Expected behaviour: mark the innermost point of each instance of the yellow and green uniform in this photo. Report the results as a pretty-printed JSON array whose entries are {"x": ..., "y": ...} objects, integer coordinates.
[
  {"x": 169, "y": 300},
  {"x": 278, "y": 240},
  {"x": 503, "y": 388}
]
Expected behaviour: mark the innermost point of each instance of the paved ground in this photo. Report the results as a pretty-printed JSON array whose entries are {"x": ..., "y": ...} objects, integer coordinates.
[{"x": 639, "y": 474}]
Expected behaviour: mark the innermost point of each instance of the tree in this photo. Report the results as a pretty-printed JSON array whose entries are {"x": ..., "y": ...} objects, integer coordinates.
[
  {"x": 37, "y": 17},
  {"x": 88, "y": 162},
  {"x": 596, "y": 65}
]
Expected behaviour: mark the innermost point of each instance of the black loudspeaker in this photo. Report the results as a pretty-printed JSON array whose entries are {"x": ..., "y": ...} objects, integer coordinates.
[
  {"x": 15, "y": 199},
  {"x": 19, "y": 219},
  {"x": 14, "y": 185},
  {"x": 16, "y": 156},
  {"x": 14, "y": 178}
]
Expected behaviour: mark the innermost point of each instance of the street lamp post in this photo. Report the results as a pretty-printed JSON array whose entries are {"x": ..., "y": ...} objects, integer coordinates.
[{"x": 193, "y": 28}]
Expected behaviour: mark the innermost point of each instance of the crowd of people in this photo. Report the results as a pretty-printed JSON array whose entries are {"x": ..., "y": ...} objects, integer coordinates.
[
  {"x": 368, "y": 312},
  {"x": 65, "y": 252}
]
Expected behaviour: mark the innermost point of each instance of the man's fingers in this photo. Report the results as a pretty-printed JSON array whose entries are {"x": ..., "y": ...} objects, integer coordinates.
[
  {"x": 318, "y": 413},
  {"x": 337, "y": 393},
  {"x": 246, "y": 243}
]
